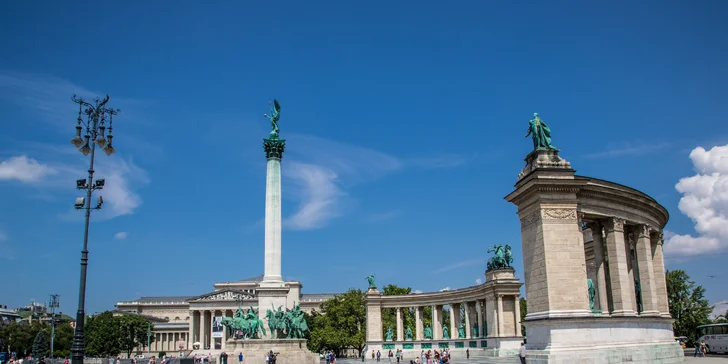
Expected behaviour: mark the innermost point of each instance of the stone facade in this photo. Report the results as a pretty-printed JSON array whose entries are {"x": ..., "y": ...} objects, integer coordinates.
[
  {"x": 575, "y": 228},
  {"x": 182, "y": 321}
]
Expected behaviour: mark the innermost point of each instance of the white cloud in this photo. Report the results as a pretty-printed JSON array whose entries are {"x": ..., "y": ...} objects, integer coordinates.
[
  {"x": 705, "y": 201},
  {"x": 24, "y": 169},
  {"x": 417, "y": 291},
  {"x": 464, "y": 263},
  {"x": 318, "y": 194},
  {"x": 445, "y": 289},
  {"x": 5, "y": 248},
  {"x": 121, "y": 235},
  {"x": 478, "y": 281}
]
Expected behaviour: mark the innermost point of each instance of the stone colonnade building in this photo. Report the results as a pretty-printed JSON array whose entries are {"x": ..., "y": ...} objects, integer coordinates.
[
  {"x": 622, "y": 256},
  {"x": 491, "y": 322},
  {"x": 180, "y": 322}
]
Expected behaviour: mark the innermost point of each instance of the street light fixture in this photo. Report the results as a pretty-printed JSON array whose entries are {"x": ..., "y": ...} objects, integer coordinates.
[{"x": 97, "y": 132}]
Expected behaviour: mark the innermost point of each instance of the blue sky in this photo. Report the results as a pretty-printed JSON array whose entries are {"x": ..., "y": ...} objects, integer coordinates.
[{"x": 405, "y": 124}]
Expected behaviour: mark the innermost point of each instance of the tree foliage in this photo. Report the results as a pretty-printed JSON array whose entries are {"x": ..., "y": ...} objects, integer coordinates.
[
  {"x": 524, "y": 311},
  {"x": 19, "y": 336},
  {"x": 340, "y": 323},
  {"x": 109, "y": 335},
  {"x": 688, "y": 305},
  {"x": 40, "y": 345}
]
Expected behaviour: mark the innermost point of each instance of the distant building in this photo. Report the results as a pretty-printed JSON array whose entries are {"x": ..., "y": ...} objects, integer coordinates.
[{"x": 8, "y": 316}]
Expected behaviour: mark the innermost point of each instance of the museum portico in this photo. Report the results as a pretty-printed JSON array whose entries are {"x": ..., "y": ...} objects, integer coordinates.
[{"x": 184, "y": 323}]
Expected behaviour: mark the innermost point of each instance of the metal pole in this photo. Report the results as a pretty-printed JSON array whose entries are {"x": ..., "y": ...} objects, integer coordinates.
[
  {"x": 54, "y": 303},
  {"x": 149, "y": 335},
  {"x": 78, "y": 349}
]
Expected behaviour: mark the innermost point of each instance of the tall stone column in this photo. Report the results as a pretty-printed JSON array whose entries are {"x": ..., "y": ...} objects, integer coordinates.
[
  {"x": 617, "y": 252},
  {"x": 517, "y": 314},
  {"x": 602, "y": 300},
  {"x": 468, "y": 325},
  {"x": 272, "y": 291},
  {"x": 224, "y": 330},
  {"x": 400, "y": 328},
  {"x": 209, "y": 327},
  {"x": 646, "y": 271},
  {"x": 454, "y": 320},
  {"x": 419, "y": 326},
  {"x": 658, "y": 266},
  {"x": 501, "y": 324},
  {"x": 479, "y": 312},
  {"x": 374, "y": 315},
  {"x": 204, "y": 336}
]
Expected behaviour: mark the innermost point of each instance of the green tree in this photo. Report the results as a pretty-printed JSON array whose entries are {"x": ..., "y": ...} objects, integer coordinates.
[
  {"x": 340, "y": 323},
  {"x": 688, "y": 305},
  {"x": 103, "y": 335},
  {"x": 133, "y": 332},
  {"x": 40, "y": 345},
  {"x": 524, "y": 311},
  {"x": 63, "y": 341}
]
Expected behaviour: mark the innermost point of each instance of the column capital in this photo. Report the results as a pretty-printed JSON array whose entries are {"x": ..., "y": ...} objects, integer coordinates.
[
  {"x": 642, "y": 231},
  {"x": 614, "y": 224},
  {"x": 657, "y": 235},
  {"x": 274, "y": 148},
  {"x": 594, "y": 225}
]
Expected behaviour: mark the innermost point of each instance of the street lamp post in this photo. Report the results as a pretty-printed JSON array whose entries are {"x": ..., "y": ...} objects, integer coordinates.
[
  {"x": 95, "y": 126},
  {"x": 53, "y": 305}
]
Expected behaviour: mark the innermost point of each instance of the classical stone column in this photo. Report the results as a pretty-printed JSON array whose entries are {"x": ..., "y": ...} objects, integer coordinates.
[
  {"x": 517, "y": 314},
  {"x": 454, "y": 320},
  {"x": 273, "y": 152},
  {"x": 631, "y": 267},
  {"x": 658, "y": 266},
  {"x": 436, "y": 322},
  {"x": 491, "y": 316},
  {"x": 646, "y": 270},
  {"x": 419, "y": 327},
  {"x": 601, "y": 299},
  {"x": 400, "y": 329},
  {"x": 224, "y": 331},
  {"x": 212, "y": 339},
  {"x": 616, "y": 250},
  {"x": 501, "y": 324},
  {"x": 192, "y": 329},
  {"x": 468, "y": 325},
  {"x": 479, "y": 312}
]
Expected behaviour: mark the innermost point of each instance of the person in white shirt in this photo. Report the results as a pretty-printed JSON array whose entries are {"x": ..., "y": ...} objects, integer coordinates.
[{"x": 522, "y": 353}]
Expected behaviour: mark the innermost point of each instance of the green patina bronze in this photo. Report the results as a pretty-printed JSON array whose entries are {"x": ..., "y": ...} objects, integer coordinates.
[
  {"x": 476, "y": 331},
  {"x": 459, "y": 344},
  {"x": 244, "y": 325},
  {"x": 388, "y": 336},
  {"x": 540, "y": 133},
  {"x": 289, "y": 324},
  {"x": 428, "y": 332},
  {"x": 443, "y": 345},
  {"x": 445, "y": 332},
  {"x": 372, "y": 284},
  {"x": 426, "y": 345},
  {"x": 638, "y": 295},
  {"x": 408, "y": 334},
  {"x": 502, "y": 257},
  {"x": 408, "y": 346},
  {"x": 274, "y": 146},
  {"x": 461, "y": 332},
  {"x": 592, "y": 290}
]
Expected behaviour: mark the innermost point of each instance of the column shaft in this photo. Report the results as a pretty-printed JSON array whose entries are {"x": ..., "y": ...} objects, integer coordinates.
[
  {"x": 501, "y": 324},
  {"x": 192, "y": 328},
  {"x": 454, "y": 320},
  {"x": 646, "y": 271},
  {"x": 419, "y": 326},
  {"x": 436, "y": 322},
  {"x": 491, "y": 316},
  {"x": 517, "y": 314},
  {"x": 468, "y": 326},
  {"x": 273, "y": 221},
  {"x": 224, "y": 331},
  {"x": 400, "y": 328},
  {"x": 618, "y": 271},
  {"x": 658, "y": 266},
  {"x": 479, "y": 312}
]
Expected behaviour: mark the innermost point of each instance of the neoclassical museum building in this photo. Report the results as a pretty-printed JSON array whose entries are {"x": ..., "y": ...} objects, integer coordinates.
[{"x": 180, "y": 322}]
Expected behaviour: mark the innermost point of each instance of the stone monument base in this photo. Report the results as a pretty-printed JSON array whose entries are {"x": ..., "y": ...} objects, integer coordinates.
[
  {"x": 593, "y": 340},
  {"x": 286, "y": 350}
]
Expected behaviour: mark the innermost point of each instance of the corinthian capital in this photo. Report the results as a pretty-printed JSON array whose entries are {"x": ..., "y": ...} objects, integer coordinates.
[{"x": 614, "y": 224}]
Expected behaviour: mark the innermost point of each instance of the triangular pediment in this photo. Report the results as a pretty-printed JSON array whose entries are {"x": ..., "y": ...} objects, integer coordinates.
[{"x": 224, "y": 295}]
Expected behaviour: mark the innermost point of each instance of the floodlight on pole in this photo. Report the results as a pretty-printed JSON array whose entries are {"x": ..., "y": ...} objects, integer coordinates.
[{"x": 91, "y": 132}]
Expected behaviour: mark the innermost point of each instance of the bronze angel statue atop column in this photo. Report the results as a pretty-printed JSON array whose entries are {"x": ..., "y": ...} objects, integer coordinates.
[{"x": 275, "y": 114}]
